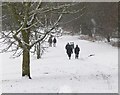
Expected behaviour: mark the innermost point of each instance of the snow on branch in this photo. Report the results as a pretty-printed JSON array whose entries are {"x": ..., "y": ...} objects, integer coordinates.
[
  {"x": 48, "y": 9},
  {"x": 71, "y": 12},
  {"x": 7, "y": 47},
  {"x": 19, "y": 30},
  {"x": 17, "y": 53},
  {"x": 55, "y": 24},
  {"x": 34, "y": 14},
  {"x": 32, "y": 4},
  {"x": 39, "y": 22},
  {"x": 20, "y": 42},
  {"x": 30, "y": 26},
  {"x": 5, "y": 35}
]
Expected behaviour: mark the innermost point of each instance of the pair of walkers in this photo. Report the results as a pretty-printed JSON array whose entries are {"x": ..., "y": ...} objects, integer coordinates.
[
  {"x": 70, "y": 49},
  {"x": 50, "y": 41}
]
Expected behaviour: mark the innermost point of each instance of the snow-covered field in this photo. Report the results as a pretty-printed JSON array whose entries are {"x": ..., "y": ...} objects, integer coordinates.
[{"x": 55, "y": 73}]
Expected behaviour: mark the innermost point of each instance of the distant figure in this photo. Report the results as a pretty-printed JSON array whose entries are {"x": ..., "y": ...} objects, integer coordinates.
[
  {"x": 50, "y": 41},
  {"x": 76, "y": 50},
  {"x": 54, "y": 42},
  {"x": 68, "y": 50}
]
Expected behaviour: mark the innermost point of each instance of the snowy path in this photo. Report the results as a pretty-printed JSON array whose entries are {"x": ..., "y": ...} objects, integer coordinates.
[{"x": 54, "y": 73}]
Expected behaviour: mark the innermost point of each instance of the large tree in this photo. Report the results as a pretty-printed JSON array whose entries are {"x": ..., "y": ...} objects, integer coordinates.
[{"x": 20, "y": 22}]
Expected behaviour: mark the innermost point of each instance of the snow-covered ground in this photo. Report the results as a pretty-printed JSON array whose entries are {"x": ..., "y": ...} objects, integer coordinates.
[{"x": 55, "y": 73}]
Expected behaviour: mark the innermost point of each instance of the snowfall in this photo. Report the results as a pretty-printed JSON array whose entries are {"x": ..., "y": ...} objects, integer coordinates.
[{"x": 55, "y": 73}]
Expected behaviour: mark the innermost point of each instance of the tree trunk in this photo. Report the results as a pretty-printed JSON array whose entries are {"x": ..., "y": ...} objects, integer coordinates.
[
  {"x": 38, "y": 51},
  {"x": 26, "y": 55},
  {"x": 108, "y": 38},
  {"x": 26, "y": 63},
  {"x": 90, "y": 34}
]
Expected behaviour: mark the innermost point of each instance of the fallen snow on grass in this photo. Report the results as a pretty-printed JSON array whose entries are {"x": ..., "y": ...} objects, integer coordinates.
[{"x": 55, "y": 73}]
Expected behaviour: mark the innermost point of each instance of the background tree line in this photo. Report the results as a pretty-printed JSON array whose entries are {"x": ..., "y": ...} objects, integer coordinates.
[{"x": 99, "y": 18}]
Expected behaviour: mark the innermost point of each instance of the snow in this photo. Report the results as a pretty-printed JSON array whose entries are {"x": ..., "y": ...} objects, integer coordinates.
[{"x": 55, "y": 73}]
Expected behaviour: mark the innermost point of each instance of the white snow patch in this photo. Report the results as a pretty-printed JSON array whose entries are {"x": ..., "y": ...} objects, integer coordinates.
[
  {"x": 65, "y": 89},
  {"x": 55, "y": 73}
]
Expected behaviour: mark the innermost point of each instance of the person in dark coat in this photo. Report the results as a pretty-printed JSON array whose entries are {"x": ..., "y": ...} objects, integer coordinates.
[
  {"x": 76, "y": 51},
  {"x": 54, "y": 42},
  {"x": 67, "y": 46},
  {"x": 50, "y": 41},
  {"x": 69, "y": 50}
]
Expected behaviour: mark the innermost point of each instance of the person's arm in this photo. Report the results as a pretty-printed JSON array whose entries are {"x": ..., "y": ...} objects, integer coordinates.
[{"x": 66, "y": 47}]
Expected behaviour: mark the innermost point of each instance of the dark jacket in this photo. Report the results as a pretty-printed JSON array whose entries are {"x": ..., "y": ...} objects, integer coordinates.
[
  {"x": 76, "y": 50},
  {"x": 66, "y": 47},
  {"x": 54, "y": 40},
  {"x": 69, "y": 49},
  {"x": 50, "y": 40}
]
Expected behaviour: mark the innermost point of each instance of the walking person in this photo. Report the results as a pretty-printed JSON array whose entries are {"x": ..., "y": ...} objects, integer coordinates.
[
  {"x": 50, "y": 41},
  {"x": 54, "y": 42},
  {"x": 76, "y": 51},
  {"x": 68, "y": 50}
]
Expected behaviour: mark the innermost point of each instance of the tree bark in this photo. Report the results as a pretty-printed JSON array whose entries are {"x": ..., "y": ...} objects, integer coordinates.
[
  {"x": 38, "y": 51},
  {"x": 26, "y": 63},
  {"x": 26, "y": 55},
  {"x": 90, "y": 34},
  {"x": 108, "y": 38}
]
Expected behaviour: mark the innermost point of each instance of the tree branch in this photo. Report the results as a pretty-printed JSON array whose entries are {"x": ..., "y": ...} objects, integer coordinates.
[
  {"x": 48, "y": 9},
  {"x": 55, "y": 24}
]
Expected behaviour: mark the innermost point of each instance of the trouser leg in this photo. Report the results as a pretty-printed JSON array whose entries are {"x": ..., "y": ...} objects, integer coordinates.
[
  {"x": 76, "y": 56},
  {"x": 69, "y": 55}
]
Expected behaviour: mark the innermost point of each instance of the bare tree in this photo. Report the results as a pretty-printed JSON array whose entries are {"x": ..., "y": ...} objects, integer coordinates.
[{"x": 20, "y": 20}]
